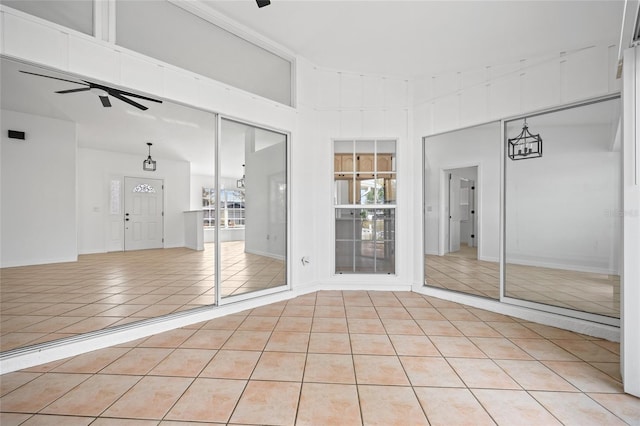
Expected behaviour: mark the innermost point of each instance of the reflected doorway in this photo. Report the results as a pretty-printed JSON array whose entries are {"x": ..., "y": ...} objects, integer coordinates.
[
  {"x": 143, "y": 217},
  {"x": 462, "y": 224}
]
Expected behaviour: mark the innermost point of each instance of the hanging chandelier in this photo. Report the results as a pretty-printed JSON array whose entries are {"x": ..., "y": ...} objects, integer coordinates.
[
  {"x": 240, "y": 182},
  {"x": 149, "y": 164},
  {"x": 525, "y": 145}
]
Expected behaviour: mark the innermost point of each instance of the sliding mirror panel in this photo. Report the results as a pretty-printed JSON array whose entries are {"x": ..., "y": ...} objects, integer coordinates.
[
  {"x": 462, "y": 210},
  {"x": 252, "y": 209},
  {"x": 563, "y": 210},
  {"x": 91, "y": 240}
]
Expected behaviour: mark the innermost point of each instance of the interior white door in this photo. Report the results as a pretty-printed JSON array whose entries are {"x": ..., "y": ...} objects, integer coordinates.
[
  {"x": 143, "y": 213},
  {"x": 473, "y": 238},
  {"x": 454, "y": 212}
]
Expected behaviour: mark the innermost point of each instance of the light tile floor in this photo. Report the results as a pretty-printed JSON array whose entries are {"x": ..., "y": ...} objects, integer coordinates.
[
  {"x": 46, "y": 302},
  {"x": 334, "y": 358},
  {"x": 582, "y": 291}
]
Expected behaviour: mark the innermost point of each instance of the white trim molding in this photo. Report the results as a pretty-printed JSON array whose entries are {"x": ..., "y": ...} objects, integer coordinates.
[{"x": 630, "y": 306}]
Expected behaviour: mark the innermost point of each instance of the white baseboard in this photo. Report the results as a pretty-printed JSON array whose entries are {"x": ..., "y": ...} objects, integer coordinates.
[
  {"x": 92, "y": 251},
  {"x": 32, "y": 262},
  {"x": 265, "y": 254},
  {"x": 567, "y": 266}
]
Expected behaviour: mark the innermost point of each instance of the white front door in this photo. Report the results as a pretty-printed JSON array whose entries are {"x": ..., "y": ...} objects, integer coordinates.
[{"x": 143, "y": 213}]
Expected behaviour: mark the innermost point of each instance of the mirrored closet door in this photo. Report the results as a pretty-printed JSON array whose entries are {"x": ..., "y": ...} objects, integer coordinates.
[
  {"x": 251, "y": 209},
  {"x": 462, "y": 210},
  {"x": 563, "y": 209}
]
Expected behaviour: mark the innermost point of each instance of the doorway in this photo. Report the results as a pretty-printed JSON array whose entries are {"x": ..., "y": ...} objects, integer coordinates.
[
  {"x": 462, "y": 236},
  {"x": 143, "y": 213}
]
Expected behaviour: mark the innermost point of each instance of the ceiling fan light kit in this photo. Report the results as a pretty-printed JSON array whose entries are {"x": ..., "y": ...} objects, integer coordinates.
[{"x": 102, "y": 91}]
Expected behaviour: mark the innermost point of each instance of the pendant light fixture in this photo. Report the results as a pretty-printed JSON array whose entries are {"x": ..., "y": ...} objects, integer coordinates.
[
  {"x": 149, "y": 164},
  {"x": 525, "y": 145},
  {"x": 240, "y": 182}
]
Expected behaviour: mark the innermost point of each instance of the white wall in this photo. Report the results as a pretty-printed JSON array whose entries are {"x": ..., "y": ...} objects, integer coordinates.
[
  {"x": 96, "y": 168},
  {"x": 38, "y": 191},
  {"x": 334, "y": 104},
  {"x": 265, "y": 232},
  {"x": 461, "y": 99},
  {"x": 476, "y": 146},
  {"x": 162, "y": 30}
]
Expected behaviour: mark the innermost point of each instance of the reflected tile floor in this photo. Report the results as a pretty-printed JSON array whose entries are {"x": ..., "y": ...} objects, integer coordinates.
[
  {"x": 334, "y": 357},
  {"x": 582, "y": 291},
  {"x": 41, "y": 303}
]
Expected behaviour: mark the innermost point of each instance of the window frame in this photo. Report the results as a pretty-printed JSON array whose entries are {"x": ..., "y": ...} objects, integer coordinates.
[
  {"x": 221, "y": 199},
  {"x": 383, "y": 182}
]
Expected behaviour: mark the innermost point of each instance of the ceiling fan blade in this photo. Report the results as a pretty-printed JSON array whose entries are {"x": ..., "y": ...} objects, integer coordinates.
[
  {"x": 54, "y": 78},
  {"x": 112, "y": 91},
  {"x": 105, "y": 101},
  {"x": 117, "y": 95},
  {"x": 139, "y": 96},
  {"x": 82, "y": 89}
]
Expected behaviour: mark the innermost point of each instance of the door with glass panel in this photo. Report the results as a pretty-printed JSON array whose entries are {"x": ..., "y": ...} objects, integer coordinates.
[{"x": 250, "y": 210}]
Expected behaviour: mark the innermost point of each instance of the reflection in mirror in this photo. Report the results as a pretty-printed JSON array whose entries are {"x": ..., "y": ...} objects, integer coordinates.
[
  {"x": 462, "y": 210},
  {"x": 69, "y": 263},
  {"x": 252, "y": 208},
  {"x": 562, "y": 213}
]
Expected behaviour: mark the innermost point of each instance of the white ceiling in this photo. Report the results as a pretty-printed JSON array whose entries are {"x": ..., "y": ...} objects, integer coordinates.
[{"x": 426, "y": 38}]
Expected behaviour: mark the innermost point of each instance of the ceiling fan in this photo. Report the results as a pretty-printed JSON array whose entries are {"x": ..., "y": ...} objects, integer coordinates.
[{"x": 103, "y": 92}]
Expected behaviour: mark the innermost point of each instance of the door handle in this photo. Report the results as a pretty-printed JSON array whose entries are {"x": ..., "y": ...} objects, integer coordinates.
[{"x": 127, "y": 219}]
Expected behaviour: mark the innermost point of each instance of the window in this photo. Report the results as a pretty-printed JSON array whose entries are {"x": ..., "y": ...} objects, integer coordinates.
[
  {"x": 209, "y": 207},
  {"x": 143, "y": 187},
  {"x": 364, "y": 201},
  {"x": 232, "y": 208},
  {"x": 77, "y": 15},
  {"x": 166, "y": 31}
]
